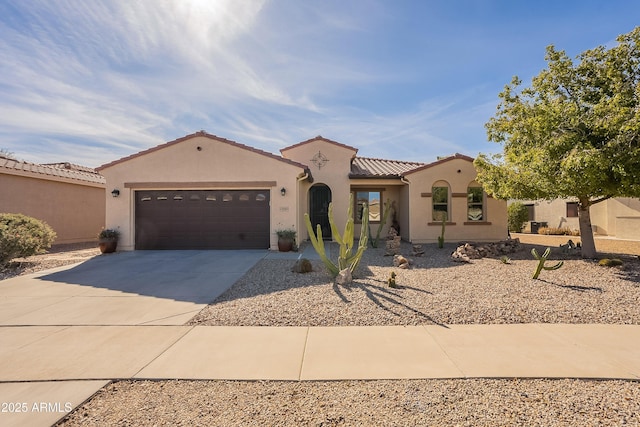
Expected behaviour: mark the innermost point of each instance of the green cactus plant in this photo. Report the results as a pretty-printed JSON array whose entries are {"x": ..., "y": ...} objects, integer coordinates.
[
  {"x": 385, "y": 217},
  {"x": 346, "y": 257},
  {"x": 441, "y": 236},
  {"x": 541, "y": 260}
]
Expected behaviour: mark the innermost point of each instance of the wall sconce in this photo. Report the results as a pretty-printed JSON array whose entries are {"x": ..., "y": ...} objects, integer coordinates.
[
  {"x": 283, "y": 191},
  {"x": 115, "y": 192}
]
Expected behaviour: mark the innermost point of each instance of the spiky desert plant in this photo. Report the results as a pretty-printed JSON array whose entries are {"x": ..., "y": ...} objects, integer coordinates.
[
  {"x": 541, "y": 260},
  {"x": 385, "y": 217},
  {"x": 441, "y": 236},
  {"x": 346, "y": 257}
]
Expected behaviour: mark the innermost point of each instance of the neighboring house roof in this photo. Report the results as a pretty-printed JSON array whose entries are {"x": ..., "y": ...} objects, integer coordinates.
[
  {"x": 364, "y": 167},
  {"x": 319, "y": 138},
  {"x": 50, "y": 171},
  {"x": 440, "y": 161},
  {"x": 205, "y": 135}
]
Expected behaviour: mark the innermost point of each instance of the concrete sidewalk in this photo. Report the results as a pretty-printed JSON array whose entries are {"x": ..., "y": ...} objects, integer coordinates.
[{"x": 80, "y": 359}]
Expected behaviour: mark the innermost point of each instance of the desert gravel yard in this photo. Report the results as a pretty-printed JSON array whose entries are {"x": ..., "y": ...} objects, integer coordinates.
[{"x": 435, "y": 290}]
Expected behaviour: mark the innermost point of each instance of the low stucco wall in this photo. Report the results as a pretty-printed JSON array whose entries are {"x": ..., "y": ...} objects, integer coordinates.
[
  {"x": 76, "y": 212},
  {"x": 628, "y": 227}
]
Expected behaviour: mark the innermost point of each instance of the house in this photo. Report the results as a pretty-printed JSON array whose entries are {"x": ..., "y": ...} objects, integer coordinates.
[
  {"x": 203, "y": 191},
  {"x": 70, "y": 198},
  {"x": 617, "y": 217}
]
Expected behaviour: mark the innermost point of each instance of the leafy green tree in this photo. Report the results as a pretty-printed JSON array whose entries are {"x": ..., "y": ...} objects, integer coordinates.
[
  {"x": 575, "y": 132},
  {"x": 517, "y": 215}
]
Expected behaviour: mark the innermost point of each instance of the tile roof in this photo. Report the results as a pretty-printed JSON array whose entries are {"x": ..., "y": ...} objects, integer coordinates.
[
  {"x": 442, "y": 160},
  {"x": 54, "y": 170},
  {"x": 206, "y": 135},
  {"x": 319, "y": 138},
  {"x": 364, "y": 167}
]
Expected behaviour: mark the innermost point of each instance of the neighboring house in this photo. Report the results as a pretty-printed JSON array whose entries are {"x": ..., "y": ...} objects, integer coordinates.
[
  {"x": 70, "y": 198},
  {"x": 619, "y": 217},
  {"x": 203, "y": 191}
]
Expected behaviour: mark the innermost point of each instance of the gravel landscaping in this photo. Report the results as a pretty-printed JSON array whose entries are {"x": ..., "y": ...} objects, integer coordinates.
[
  {"x": 473, "y": 402},
  {"x": 435, "y": 290}
]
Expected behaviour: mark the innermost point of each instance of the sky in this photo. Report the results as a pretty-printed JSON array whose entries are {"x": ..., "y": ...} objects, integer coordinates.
[{"x": 89, "y": 82}]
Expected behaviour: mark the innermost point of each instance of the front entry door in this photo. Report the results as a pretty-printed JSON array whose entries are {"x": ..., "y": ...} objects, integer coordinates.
[{"x": 319, "y": 199}]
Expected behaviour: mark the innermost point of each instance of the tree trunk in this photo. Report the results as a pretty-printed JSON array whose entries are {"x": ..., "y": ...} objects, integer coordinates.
[{"x": 586, "y": 232}]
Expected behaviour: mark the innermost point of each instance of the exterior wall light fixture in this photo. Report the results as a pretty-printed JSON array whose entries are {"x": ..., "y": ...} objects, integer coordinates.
[
  {"x": 283, "y": 191},
  {"x": 115, "y": 192}
]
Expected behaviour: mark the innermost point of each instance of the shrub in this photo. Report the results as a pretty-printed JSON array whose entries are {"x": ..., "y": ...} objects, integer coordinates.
[
  {"x": 610, "y": 262},
  {"x": 517, "y": 215},
  {"x": 23, "y": 236},
  {"x": 561, "y": 231}
]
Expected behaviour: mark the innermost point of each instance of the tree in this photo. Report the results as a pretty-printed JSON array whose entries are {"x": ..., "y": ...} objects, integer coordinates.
[
  {"x": 517, "y": 215},
  {"x": 574, "y": 133}
]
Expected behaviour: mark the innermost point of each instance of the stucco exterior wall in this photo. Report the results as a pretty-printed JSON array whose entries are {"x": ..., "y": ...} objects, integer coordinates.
[
  {"x": 75, "y": 211},
  {"x": 606, "y": 217},
  {"x": 196, "y": 163},
  {"x": 459, "y": 174},
  {"x": 334, "y": 173}
]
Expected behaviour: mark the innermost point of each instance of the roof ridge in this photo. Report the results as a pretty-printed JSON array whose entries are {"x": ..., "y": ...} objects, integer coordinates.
[
  {"x": 390, "y": 160},
  {"x": 319, "y": 138},
  {"x": 206, "y": 135}
]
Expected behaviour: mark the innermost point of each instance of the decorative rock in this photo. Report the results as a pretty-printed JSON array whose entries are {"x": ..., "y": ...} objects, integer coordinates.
[
  {"x": 469, "y": 251},
  {"x": 393, "y": 246},
  {"x": 416, "y": 250},
  {"x": 400, "y": 261},
  {"x": 344, "y": 277},
  {"x": 302, "y": 266}
]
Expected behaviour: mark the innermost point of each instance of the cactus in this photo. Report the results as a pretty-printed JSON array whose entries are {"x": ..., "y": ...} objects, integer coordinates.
[
  {"x": 441, "y": 236},
  {"x": 505, "y": 259},
  {"x": 346, "y": 258},
  {"x": 392, "y": 280},
  {"x": 541, "y": 260},
  {"x": 385, "y": 217}
]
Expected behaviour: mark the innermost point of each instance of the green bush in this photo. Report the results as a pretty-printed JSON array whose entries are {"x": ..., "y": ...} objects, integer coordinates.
[
  {"x": 517, "y": 215},
  {"x": 610, "y": 262},
  {"x": 558, "y": 231},
  {"x": 23, "y": 236}
]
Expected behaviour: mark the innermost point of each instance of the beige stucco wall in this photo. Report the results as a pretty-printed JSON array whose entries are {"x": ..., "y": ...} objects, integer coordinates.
[
  {"x": 217, "y": 164},
  {"x": 334, "y": 173},
  {"x": 606, "y": 217},
  {"x": 75, "y": 211},
  {"x": 459, "y": 174}
]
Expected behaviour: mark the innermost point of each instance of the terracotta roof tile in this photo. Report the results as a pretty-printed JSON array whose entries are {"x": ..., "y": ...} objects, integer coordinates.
[
  {"x": 79, "y": 173},
  {"x": 206, "y": 135},
  {"x": 364, "y": 167},
  {"x": 319, "y": 138}
]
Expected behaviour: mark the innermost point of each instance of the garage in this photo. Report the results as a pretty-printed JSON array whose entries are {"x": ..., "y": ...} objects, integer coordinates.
[{"x": 202, "y": 219}]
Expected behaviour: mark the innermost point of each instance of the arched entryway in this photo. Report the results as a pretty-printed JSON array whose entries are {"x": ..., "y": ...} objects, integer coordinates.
[{"x": 319, "y": 199}]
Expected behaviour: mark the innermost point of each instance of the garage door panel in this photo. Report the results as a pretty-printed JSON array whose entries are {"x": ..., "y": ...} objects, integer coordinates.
[{"x": 202, "y": 219}]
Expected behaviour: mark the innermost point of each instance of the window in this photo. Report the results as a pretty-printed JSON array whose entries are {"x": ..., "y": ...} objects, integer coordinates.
[
  {"x": 260, "y": 197},
  {"x": 372, "y": 199},
  {"x": 530, "y": 212},
  {"x": 227, "y": 197},
  {"x": 440, "y": 198},
  {"x": 475, "y": 204},
  {"x": 244, "y": 197},
  {"x": 572, "y": 209}
]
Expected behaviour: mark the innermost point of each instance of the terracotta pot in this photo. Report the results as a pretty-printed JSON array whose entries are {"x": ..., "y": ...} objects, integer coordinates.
[
  {"x": 284, "y": 244},
  {"x": 107, "y": 246}
]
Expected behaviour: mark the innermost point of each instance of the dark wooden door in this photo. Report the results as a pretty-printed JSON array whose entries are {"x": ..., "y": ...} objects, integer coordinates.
[
  {"x": 202, "y": 219},
  {"x": 319, "y": 199}
]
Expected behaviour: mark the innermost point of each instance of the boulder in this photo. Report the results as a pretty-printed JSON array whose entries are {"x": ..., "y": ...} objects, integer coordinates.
[
  {"x": 302, "y": 266},
  {"x": 344, "y": 277}
]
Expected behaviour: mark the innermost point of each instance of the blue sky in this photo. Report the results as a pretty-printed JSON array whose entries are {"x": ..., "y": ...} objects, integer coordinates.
[{"x": 92, "y": 81}]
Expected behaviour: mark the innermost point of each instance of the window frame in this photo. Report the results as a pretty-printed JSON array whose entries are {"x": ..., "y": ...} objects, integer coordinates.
[
  {"x": 474, "y": 204},
  {"x": 574, "y": 206},
  {"x": 356, "y": 204},
  {"x": 447, "y": 204}
]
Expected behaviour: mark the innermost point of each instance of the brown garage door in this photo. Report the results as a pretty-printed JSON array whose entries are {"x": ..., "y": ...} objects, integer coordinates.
[{"x": 202, "y": 219}]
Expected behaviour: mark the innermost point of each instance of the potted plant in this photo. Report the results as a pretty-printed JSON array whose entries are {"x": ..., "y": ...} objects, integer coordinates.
[
  {"x": 108, "y": 240},
  {"x": 286, "y": 239}
]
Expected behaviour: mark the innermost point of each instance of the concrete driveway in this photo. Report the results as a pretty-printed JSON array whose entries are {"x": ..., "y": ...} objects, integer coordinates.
[{"x": 126, "y": 288}]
